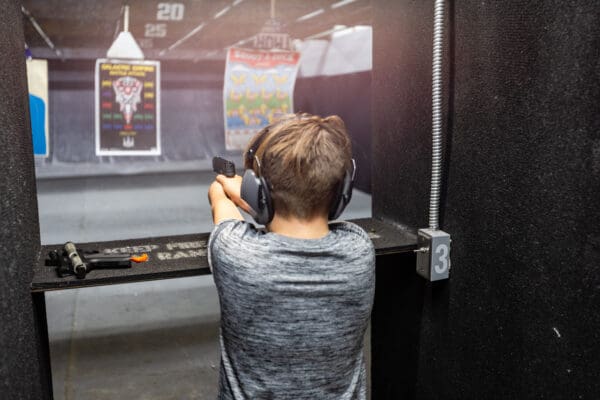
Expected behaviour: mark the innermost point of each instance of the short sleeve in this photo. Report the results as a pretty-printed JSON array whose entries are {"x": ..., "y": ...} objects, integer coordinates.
[{"x": 226, "y": 235}]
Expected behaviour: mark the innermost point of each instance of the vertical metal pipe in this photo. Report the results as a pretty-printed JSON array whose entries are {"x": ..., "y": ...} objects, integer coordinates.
[{"x": 436, "y": 99}]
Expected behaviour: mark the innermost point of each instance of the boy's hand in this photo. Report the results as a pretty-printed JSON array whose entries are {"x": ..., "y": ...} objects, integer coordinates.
[
  {"x": 232, "y": 188},
  {"x": 215, "y": 191},
  {"x": 221, "y": 205}
]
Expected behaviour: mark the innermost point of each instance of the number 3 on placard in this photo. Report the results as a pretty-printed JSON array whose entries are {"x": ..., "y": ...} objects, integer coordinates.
[{"x": 443, "y": 258}]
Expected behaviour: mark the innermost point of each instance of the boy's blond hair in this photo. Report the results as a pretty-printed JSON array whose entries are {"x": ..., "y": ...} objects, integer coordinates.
[{"x": 304, "y": 159}]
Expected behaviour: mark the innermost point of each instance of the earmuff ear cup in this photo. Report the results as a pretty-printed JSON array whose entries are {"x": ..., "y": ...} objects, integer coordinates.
[
  {"x": 343, "y": 196},
  {"x": 255, "y": 192}
]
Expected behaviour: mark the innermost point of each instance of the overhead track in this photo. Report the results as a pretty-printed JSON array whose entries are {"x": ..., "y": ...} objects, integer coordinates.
[{"x": 41, "y": 32}]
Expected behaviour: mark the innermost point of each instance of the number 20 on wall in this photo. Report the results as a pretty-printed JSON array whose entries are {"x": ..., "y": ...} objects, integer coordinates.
[{"x": 170, "y": 11}]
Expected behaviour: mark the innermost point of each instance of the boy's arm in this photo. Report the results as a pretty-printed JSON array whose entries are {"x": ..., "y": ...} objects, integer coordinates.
[
  {"x": 221, "y": 206},
  {"x": 232, "y": 188}
]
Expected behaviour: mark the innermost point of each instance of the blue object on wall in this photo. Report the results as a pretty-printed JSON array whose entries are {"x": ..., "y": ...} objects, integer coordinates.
[{"x": 37, "y": 111}]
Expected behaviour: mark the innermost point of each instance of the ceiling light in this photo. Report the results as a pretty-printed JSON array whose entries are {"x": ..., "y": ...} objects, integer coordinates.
[
  {"x": 222, "y": 12},
  {"x": 342, "y": 3},
  {"x": 310, "y": 15},
  {"x": 183, "y": 39}
]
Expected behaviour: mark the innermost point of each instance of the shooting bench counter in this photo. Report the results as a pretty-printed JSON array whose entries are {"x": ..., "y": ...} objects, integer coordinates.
[{"x": 169, "y": 257}]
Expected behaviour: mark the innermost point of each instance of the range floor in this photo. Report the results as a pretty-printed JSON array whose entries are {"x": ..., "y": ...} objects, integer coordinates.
[{"x": 146, "y": 340}]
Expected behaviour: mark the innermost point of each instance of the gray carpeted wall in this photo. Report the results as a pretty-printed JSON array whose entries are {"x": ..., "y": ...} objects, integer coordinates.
[
  {"x": 520, "y": 315},
  {"x": 19, "y": 229}
]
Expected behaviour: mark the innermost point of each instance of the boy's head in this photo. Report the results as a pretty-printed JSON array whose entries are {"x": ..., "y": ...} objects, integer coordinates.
[{"x": 304, "y": 159}]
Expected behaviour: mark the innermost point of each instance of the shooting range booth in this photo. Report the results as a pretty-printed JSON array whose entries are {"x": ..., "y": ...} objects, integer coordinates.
[{"x": 519, "y": 315}]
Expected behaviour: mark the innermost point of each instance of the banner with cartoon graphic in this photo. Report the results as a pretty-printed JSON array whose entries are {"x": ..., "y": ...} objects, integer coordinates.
[
  {"x": 37, "y": 81},
  {"x": 259, "y": 88},
  {"x": 127, "y": 107}
]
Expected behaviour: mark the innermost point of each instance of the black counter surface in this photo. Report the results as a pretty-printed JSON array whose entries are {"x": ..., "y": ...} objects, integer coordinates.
[{"x": 181, "y": 256}]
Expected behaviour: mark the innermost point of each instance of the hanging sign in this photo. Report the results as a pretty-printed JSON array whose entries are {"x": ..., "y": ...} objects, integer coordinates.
[
  {"x": 258, "y": 89},
  {"x": 127, "y": 107},
  {"x": 267, "y": 40},
  {"x": 37, "y": 81}
]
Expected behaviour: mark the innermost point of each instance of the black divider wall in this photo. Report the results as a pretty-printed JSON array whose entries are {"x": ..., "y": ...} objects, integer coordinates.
[
  {"x": 520, "y": 315},
  {"x": 19, "y": 230},
  {"x": 401, "y": 110},
  {"x": 348, "y": 96}
]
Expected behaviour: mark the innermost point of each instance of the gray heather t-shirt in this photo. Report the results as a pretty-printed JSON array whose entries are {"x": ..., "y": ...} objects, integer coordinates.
[{"x": 293, "y": 311}]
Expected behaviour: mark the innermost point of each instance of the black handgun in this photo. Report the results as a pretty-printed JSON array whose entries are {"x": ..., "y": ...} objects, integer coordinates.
[
  {"x": 224, "y": 167},
  {"x": 70, "y": 260}
]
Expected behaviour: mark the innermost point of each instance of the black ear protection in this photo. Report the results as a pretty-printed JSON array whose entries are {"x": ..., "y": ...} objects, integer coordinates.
[
  {"x": 344, "y": 194},
  {"x": 256, "y": 191}
]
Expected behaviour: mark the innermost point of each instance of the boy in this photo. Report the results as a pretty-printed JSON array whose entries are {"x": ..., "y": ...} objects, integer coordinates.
[{"x": 295, "y": 298}]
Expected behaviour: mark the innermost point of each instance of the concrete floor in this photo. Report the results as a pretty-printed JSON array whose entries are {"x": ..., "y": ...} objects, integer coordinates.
[{"x": 146, "y": 340}]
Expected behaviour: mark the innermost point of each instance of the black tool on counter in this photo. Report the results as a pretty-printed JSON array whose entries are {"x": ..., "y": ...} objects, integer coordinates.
[
  {"x": 72, "y": 261},
  {"x": 223, "y": 167}
]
